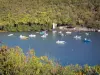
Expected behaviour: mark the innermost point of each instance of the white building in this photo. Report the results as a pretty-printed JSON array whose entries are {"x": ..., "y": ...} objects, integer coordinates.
[{"x": 54, "y": 25}]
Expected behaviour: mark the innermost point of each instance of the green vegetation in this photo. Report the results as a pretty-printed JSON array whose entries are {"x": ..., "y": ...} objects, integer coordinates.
[
  {"x": 14, "y": 62},
  {"x": 36, "y": 15}
]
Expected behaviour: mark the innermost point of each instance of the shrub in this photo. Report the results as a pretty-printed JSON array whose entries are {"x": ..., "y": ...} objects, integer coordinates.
[{"x": 14, "y": 62}]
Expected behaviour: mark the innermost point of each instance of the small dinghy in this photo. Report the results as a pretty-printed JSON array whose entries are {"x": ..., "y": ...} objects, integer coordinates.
[
  {"x": 43, "y": 32},
  {"x": 98, "y": 30},
  {"x": 54, "y": 31},
  {"x": 77, "y": 37},
  {"x": 87, "y": 34},
  {"x": 60, "y": 42},
  {"x": 86, "y": 40},
  {"x": 23, "y": 37},
  {"x": 60, "y": 32},
  {"x": 43, "y": 36},
  {"x": 68, "y": 32},
  {"x": 37, "y": 32},
  {"x": 10, "y": 35},
  {"x": 46, "y": 34},
  {"x": 31, "y": 35}
]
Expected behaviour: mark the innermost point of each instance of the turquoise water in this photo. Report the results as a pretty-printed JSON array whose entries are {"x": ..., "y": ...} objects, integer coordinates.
[{"x": 72, "y": 52}]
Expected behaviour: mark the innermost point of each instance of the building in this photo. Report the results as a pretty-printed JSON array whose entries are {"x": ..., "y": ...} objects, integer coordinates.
[{"x": 54, "y": 25}]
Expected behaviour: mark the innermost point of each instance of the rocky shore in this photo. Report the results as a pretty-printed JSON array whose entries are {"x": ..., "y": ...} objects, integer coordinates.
[{"x": 63, "y": 28}]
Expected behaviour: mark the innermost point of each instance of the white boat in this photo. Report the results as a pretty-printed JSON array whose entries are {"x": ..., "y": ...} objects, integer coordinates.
[
  {"x": 37, "y": 32},
  {"x": 98, "y": 30},
  {"x": 43, "y": 32},
  {"x": 60, "y": 32},
  {"x": 77, "y": 37},
  {"x": 87, "y": 34},
  {"x": 54, "y": 31},
  {"x": 46, "y": 34},
  {"x": 31, "y": 35},
  {"x": 23, "y": 37},
  {"x": 10, "y": 35},
  {"x": 43, "y": 36},
  {"x": 68, "y": 32},
  {"x": 60, "y": 42},
  {"x": 86, "y": 40}
]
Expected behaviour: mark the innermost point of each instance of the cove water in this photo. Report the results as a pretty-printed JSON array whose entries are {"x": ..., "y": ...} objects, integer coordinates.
[{"x": 72, "y": 52}]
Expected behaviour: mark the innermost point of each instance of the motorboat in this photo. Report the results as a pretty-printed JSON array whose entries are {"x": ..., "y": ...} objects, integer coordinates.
[
  {"x": 60, "y": 32},
  {"x": 87, "y": 34},
  {"x": 60, "y": 42},
  {"x": 54, "y": 31},
  {"x": 23, "y": 37},
  {"x": 98, "y": 30},
  {"x": 77, "y": 37},
  {"x": 68, "y": 32},
  {"x": 43, "y": 32},
  {"x": 31, "y": 35},
  {"x": 37, "y": 32},
  {"x": 43, "y": 36},
  {"x": 46, "y": 34},
  {"x": 86, "y": 40},
  {"x": 10, "y": 35}
]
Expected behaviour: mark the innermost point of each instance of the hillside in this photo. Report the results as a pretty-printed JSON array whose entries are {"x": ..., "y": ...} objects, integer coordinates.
[{"x": 40, "y": 14}]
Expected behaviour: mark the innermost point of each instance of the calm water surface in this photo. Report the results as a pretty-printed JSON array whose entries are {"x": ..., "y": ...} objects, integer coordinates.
[{"x": 73, "y": 52}]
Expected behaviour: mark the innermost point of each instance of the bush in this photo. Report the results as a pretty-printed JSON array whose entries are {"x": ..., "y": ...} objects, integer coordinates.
[{"x": 14, "y": 62}]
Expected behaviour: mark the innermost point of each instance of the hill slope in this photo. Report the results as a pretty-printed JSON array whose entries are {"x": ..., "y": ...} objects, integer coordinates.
[{"x": 73, "y": 12}]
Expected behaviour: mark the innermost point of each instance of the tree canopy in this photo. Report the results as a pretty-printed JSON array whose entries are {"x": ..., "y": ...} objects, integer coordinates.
[{"x": 73, "y": 12}]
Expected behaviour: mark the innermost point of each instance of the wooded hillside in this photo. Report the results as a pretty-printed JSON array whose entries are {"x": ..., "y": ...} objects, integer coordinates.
[{"x": 73, "y": 12}]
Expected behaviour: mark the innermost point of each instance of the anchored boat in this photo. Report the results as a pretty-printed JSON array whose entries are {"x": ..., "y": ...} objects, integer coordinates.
[
  {"x": 86, "y": 40},
  {"x": 60, "y": 42}
]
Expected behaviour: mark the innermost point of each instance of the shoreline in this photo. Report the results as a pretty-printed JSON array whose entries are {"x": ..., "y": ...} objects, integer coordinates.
[
  {"x": 63, "y": 29},
  {"x": 2, "y": 31},
  {"x": 78, "y": 29}
]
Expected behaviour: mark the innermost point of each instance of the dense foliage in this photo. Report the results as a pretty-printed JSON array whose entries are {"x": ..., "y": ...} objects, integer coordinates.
[
  {"x": 32, "y": 15},
  {"x": 14, "y": 62}
]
